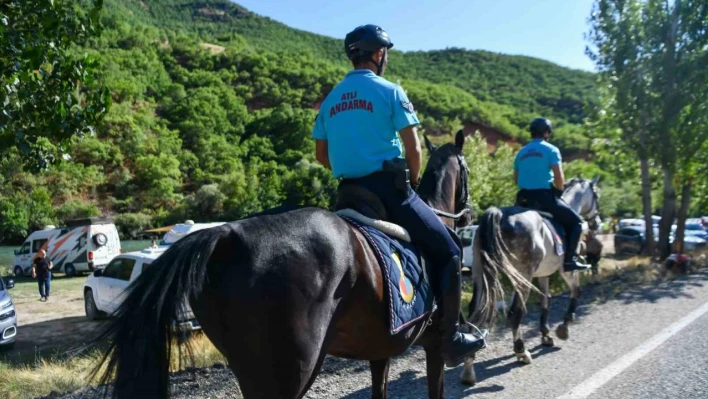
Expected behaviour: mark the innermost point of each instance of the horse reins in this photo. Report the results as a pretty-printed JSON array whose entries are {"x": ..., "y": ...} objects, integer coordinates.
[{"x": 463, "y": 198}]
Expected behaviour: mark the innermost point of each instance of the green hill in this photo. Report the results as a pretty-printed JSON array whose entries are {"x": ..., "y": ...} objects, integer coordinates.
[
  {"x": 213, "y": 110},
  {"x": 529, "y": 86}
]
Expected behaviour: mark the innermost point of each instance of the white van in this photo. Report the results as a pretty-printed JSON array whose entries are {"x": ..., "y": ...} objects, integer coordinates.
[{"x": 82, "y": 245}]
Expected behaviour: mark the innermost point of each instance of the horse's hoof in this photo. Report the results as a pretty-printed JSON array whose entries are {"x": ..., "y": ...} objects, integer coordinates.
[
  {"x": 562, "y": 332},
  {"x": 547, "y": 341},
  {"x": 524, "y": 358},
  {"x": 468, "y": 376}
]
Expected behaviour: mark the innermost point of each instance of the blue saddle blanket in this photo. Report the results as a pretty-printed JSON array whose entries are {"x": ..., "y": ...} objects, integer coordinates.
[
  {"x": 409, "y": 294},
  {"x": 556, "y": 232}
]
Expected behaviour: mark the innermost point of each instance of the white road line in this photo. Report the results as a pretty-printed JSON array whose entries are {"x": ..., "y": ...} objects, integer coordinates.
[{"x": 589, "y": 386}]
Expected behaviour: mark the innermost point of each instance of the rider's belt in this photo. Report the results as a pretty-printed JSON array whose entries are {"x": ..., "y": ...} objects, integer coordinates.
[
  {"x": 399, "y": 168},
  {"x": 395, "y": 169}
]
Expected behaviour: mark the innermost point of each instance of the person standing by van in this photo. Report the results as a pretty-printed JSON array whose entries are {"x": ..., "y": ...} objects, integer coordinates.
[{"x": 41, "y": 269}]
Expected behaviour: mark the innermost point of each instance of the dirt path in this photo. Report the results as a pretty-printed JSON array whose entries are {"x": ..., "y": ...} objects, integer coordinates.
[{"x": 45, "y": 328}]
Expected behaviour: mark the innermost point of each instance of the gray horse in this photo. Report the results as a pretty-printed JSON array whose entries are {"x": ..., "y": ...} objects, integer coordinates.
[{"x": 515, "y": 240}]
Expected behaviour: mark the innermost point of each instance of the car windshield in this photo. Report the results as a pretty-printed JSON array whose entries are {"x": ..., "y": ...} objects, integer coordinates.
[
  {"x": 2, "y": 284},
  {"x": 694, "y": 227}
]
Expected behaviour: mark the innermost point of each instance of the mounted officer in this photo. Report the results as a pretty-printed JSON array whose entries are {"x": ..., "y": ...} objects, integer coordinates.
[
  {"x": 539, "y": 174},
  {"x": 356, "y": 137}
]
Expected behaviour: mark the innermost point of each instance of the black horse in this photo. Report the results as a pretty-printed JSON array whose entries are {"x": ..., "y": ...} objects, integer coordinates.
[{"x": 275, "y": 293}]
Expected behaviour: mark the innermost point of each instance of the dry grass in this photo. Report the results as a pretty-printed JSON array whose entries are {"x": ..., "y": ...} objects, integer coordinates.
[{"x": 43, "y": 376}]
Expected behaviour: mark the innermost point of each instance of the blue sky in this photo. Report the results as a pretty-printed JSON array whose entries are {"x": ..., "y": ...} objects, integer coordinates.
[{"x": 548, "y": 29}]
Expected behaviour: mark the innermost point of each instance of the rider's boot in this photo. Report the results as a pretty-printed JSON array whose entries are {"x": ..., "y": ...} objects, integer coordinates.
[
  {"x": 456, "y": 345},
  {"x": 571, "y": 256}
]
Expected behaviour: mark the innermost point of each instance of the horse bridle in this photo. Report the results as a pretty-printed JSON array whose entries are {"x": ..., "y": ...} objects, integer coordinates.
[{"x": 463, "y": 197}]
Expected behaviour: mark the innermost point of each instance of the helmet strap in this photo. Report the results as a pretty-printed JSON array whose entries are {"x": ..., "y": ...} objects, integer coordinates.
[{"x": 379, "y": 65}]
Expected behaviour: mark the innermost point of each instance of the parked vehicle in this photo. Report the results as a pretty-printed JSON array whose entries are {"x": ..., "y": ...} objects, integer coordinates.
[
  {"x": 8, "y": 317},
  {"x": 467, "y": 237},
  {"x": 104, "y": 289},
  {"x": 82, "y": 245},
  {"x": 695, "y": 229},
  {"x": 632, "y": 239},
  {"x": 638, "y": 222},
  {"x": 181, "y": 230}
]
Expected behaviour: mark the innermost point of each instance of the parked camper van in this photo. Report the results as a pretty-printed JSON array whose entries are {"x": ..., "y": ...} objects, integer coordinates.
[{"x": 81, "y": 246}]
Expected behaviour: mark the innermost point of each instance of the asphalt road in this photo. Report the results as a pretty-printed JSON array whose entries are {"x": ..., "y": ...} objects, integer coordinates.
[
  {"x": 603, "y": 334},
  {"x": 619, "y": 347}
]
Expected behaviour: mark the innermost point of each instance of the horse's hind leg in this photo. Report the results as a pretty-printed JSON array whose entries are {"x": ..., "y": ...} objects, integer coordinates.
[
  {"x": 573, "y": 281},
  {"x": 546, "y": 339},
  {"x": 271, "y": 355},
  {"x": 516, "y": 313},
  {"x": 379, "y": 378},
  {"x": 435, "y": 370}
]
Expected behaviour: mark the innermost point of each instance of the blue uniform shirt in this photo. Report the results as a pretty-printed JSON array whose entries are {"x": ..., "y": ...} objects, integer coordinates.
[
  {"x": 533, "y": 162},
  {"x": 360, "y": 120}
]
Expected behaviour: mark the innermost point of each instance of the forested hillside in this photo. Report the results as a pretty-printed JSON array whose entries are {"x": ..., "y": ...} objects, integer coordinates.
[{"x": 213, "y": 108}]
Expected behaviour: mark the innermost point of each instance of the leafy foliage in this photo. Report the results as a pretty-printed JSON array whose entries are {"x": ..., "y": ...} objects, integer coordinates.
[
  {"x": 213, "y": 106},
  {"x": 652, "y": 56},
  {"x": 48, "y": 94}
]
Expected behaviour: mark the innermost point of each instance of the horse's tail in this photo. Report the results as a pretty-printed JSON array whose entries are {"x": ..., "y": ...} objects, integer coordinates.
[
  {"x": 491, "y": 257},
  {"x": 141, "y": 335}
]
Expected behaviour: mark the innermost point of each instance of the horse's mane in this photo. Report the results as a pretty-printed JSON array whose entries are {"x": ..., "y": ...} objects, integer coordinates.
[
  {"x": 572, "y": 182},
  {"x": 432, "y": 176}
]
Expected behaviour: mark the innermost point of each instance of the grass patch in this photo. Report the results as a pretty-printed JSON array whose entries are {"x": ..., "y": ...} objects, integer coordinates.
[
  {"x": 26, "y": 288},
  {"x": 40, "y": 377}
]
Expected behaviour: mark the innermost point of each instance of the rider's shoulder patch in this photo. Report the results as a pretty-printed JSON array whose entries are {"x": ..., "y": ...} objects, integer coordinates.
[{"x": 408, "y": 106}]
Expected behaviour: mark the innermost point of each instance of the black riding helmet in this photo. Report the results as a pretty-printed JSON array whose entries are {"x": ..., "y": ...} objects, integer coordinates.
[
  {"x": 539, "y": 126},
  {"x": 364, "y": 40}
]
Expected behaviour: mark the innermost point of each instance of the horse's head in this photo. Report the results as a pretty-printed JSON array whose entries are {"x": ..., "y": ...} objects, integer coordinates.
[
  {"x": 583, "y": 196},
  {"x": 445, "y": 185}
]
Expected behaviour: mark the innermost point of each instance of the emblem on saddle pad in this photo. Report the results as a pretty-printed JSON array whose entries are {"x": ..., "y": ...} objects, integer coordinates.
[{"x": 404, "y": 284}]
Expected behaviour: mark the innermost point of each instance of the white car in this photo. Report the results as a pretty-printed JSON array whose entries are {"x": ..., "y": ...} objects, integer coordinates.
[
  {"x": 104, "y": 289},
  {"x": 467, "y": 237}
]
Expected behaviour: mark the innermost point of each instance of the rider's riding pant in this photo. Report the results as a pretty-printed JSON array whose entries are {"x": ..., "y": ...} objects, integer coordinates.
[{"x": 427, "y": 232}]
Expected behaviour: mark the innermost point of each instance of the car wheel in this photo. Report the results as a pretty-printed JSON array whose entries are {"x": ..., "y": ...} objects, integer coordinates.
[
  {"x": 70, "y": 270},
  {"x": 18, "y": 271},
  {"x": 92, "y": 312}
]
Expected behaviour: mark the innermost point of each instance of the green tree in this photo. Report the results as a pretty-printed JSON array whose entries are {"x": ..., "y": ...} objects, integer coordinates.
[
  {"x": 653, "y": 54},
  {"x": 48, "y": 95}
]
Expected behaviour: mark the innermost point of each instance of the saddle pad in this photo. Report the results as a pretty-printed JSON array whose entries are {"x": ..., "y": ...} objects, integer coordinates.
[
  {"x": 409, "y": 295},
  {"x": 557, "y": 240}
]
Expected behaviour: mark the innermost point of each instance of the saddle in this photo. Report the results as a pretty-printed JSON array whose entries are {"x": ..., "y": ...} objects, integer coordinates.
[
  {"x": 555, "y": 228},
  {"x": 350, "y": 196},
  {"x": 408, "y": 289},
  {"x": 533, "y": 205},
  {"x": 364, "y": 206}
]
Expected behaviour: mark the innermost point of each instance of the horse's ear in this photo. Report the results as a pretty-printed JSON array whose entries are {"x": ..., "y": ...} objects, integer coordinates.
[
  {"x": 460, "y": 139},
  {"x": 428, "y": 144},
  {"x": 595, "y": 179}
]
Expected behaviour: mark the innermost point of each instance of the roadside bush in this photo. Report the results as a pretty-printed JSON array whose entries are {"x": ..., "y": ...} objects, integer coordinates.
[{"x": 131, "y": 225}]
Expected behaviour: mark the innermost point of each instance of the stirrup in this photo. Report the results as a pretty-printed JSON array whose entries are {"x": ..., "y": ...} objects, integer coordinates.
[
  {"x": 573, "y": 266},
  {"x": 469, "y": 328}
]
